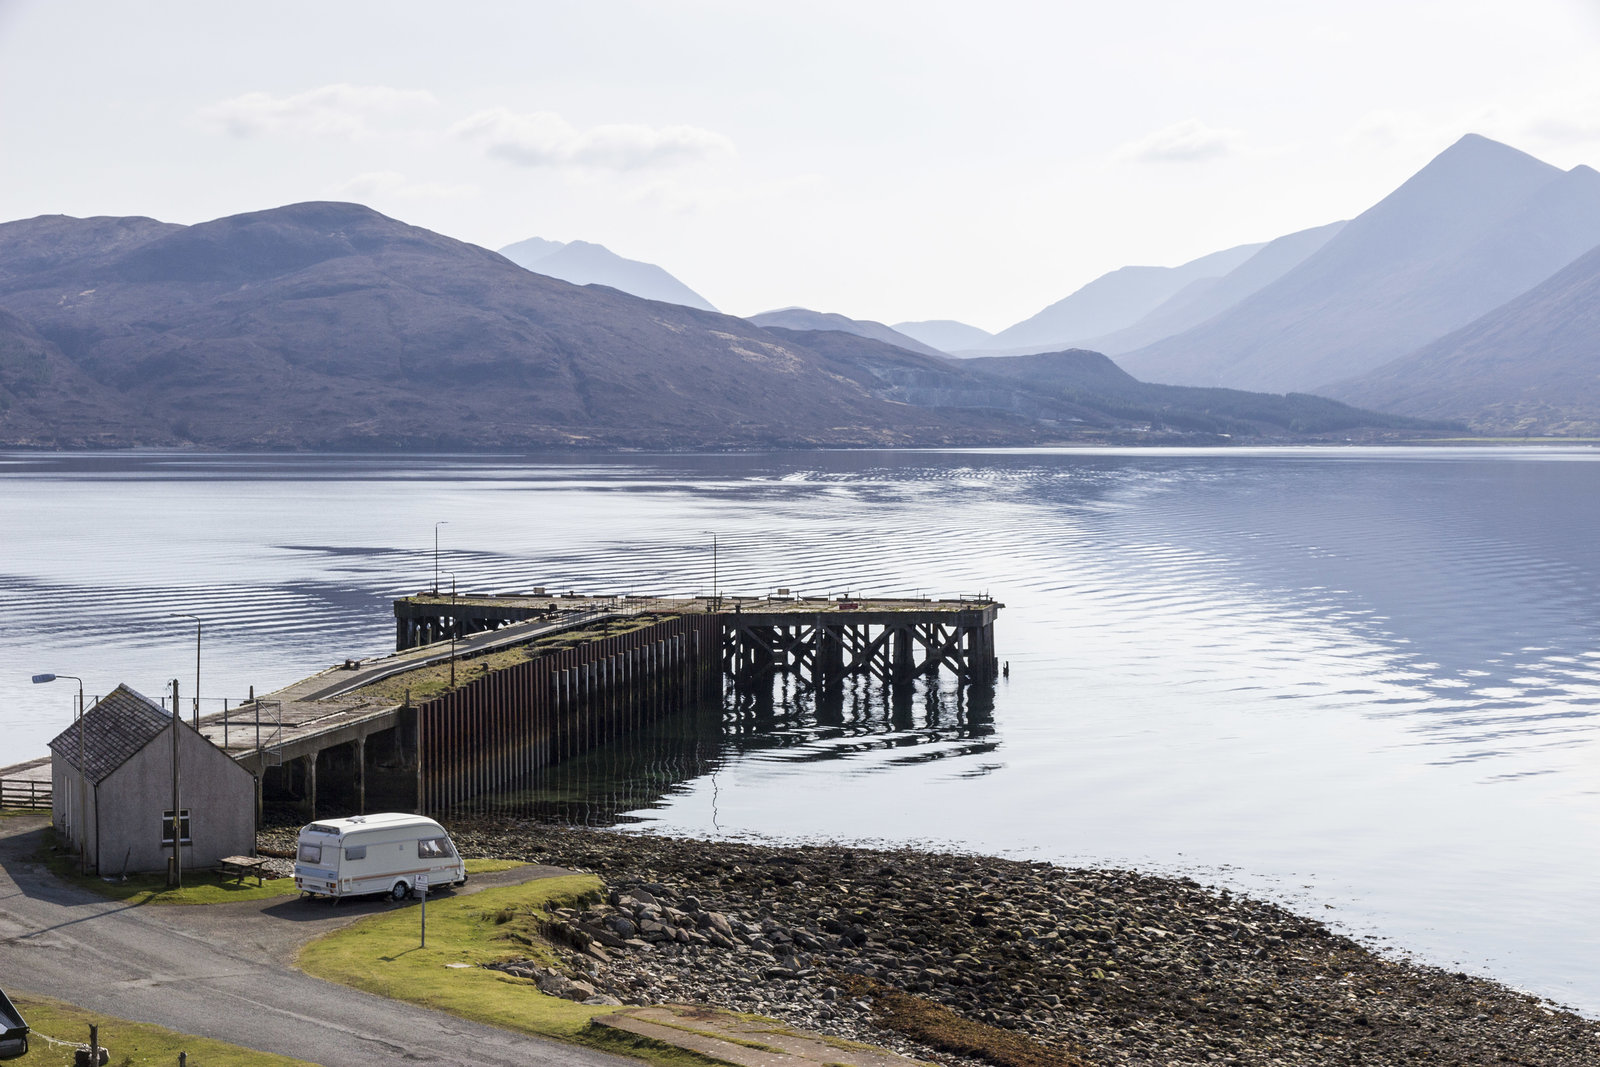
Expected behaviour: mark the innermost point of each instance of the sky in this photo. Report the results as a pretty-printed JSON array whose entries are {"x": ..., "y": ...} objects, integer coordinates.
[{"x": 882, "y": 159}]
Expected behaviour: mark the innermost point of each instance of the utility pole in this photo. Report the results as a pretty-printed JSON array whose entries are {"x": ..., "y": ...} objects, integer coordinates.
[
  {"x": 196, "y": 618},
  {"x": 175, "y": 874}
]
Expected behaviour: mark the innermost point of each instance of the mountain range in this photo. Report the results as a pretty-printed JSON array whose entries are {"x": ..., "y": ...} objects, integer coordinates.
[
  {"x": 1479, "y": 225},
  {"x": 1112, "y": 302},
  {"x": 330, "y": 326},
  {"x": 583, "y": 263},
  {"x": 1432, "y": 302},
  {"x": 1530, "y": 366}
]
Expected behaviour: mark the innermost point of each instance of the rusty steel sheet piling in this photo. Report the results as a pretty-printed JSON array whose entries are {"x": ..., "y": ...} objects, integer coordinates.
[{"x": 499, "y": 731}]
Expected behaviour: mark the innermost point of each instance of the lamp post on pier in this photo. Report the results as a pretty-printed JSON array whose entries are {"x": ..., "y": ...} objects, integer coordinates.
[
  {"x": 454, "y": 626},
  {"x": 83, "y": 772},
  {"x": 716, "y": 600},
  {"x": 441, "y": 522}
]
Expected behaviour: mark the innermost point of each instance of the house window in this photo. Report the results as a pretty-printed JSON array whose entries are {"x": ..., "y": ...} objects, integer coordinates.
[{"x": 183, "y": 827}]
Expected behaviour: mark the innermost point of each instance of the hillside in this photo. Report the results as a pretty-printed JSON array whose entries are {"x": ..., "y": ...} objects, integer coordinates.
[
  {"x": 46, "y": 400},
  {"x": 327, "y": 325},
  {"x": 1112, "y": 302},
  {"x": 1528, "y": 367},
  {"x": 583, "y": 263},
  {"x": 1091, "y": 381},
  {"x": 805, "y": 319},
  {"x": 1206, "y": 298},
  {"x": 1477, "y": 226}
]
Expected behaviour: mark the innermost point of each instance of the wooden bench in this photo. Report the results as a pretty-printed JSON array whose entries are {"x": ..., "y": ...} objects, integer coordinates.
[{"x": 242, "y": 867}]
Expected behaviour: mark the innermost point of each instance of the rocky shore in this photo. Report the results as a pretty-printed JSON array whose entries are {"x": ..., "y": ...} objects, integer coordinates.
[{"x": 978, "y": 960}]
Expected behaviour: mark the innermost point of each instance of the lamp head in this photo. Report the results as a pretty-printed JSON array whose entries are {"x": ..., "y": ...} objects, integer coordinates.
[{"x": 43, "y": 678}]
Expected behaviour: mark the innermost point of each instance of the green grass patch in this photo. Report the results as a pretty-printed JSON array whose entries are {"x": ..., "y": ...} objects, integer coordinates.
[
  {"x": 491, "y": 866},
  {"x": 199, "y": 887},
  {"x": 128, "y": 1042},
  {"x": 381, "y": 954},
  {"x": 425, "y": 683},
  {"x": 12, "y": 813}
]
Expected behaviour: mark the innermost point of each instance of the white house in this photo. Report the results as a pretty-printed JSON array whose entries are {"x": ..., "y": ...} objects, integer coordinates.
[{"x": 112, "y": 776}]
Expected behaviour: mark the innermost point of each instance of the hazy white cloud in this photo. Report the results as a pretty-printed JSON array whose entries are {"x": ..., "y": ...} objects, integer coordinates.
[
  {"x": 689, "y": 198},
  {"x": 1189, "y": 141},
  {"x": 1387, "y": 131},
  {"x": 1562, "y": 127},
  {"x": 1567, "y": 116},
  {"x": 545, "y": 139},
  {"x": 383, "y": 184},
  {"x": 332, "y": 109}
]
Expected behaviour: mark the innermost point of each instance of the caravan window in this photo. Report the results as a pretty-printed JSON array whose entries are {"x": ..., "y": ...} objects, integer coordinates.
[
  {"x": 431, "y": 848},
  {"x": 310, "y": 853},
  {"x": 355, "y": 852}
]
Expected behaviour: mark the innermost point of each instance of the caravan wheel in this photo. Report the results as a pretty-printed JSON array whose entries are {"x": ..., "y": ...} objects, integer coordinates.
[{"x": 399, "y": 892}]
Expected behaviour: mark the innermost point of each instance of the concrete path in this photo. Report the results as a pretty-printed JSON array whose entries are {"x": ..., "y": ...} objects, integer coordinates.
[{"x": 223, "y": 972}]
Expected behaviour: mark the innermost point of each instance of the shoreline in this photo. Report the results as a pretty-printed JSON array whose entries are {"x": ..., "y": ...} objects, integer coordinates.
[{"x": 1100, "y": 965}]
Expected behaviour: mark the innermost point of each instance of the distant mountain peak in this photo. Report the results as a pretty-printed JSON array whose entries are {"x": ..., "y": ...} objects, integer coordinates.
[
  {"x": 587, "y": 263},
  {"x": 946, "y": 335},
  {"x": 799, "y": 318},
  {"x": 1479, "y": 224}
]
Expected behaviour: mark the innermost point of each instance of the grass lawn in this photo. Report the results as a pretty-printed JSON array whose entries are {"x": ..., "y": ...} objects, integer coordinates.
[
  {"x": 381, "y": 955},
  {"x": 199, "y": 887},
  {"x": 127, "y": 1042},
  {"x": 12, "y": 813}
]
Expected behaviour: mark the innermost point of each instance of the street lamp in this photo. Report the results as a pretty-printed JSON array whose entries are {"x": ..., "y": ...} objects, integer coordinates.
[
  {"x": 196, "y": 618},
  {"x": 715, "y": 598},
  {"x": 83, "y": 772},
  {"x": 441, "y": 522}
]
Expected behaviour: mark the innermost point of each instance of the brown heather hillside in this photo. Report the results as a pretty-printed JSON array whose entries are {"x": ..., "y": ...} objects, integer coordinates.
[{"x": 329, "y": 326}]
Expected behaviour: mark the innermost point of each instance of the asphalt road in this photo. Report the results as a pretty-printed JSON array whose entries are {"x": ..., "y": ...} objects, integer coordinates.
[{"x": 222, "y": 971}]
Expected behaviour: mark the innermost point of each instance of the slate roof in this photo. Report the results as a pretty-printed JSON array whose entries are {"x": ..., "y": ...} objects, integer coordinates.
[{"x": 122, "y": 723}]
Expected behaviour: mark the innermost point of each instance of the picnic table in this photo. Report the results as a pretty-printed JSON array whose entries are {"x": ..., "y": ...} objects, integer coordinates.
[{"x": 242, "y": 867}]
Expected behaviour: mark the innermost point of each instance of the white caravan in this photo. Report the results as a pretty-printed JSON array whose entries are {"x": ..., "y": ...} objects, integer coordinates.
[{"x": 386, "y": 853}]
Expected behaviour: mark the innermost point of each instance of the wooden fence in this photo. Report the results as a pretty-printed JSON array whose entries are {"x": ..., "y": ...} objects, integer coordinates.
[{"x": 25, "y": 793}]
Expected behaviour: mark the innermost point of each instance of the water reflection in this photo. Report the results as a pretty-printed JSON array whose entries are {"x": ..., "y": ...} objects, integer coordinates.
[
  {"x": 1372, "y": 671},
  {"x": 870, "y": 727}
]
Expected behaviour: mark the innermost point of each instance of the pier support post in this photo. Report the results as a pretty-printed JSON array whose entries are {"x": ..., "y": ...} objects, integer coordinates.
[{"x": 311, "y": 787}]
